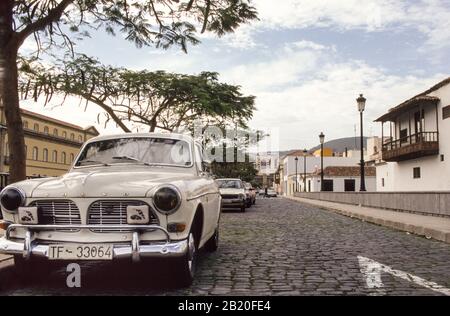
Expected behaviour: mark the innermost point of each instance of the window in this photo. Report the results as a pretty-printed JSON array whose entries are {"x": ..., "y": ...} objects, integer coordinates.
[
  {"x": 80, "y": 138},
  {"x": 404, "y": 136},
  {"x": 55, "y": 156},
  {"x": 63, "y": 158},
  {"x": 72, "y": 136},
  {"x": 45, "y": 155},
  {"x": 26, "y": 152},
  {"x": 446, "y": 112},
  {"x": 55, "y": 132},
  {"x": 64, "y": 134},
  {"x": 36, "y": 127},
  {"x": 72, "y": 157},
  {"x": 35, "y": 153},
  {"x": 382, "y": 182},
  {"x": 25, "y": 124},
  {"x": 328, "y": 185},
  {"x": 442, "y": 158},
  {"x": 6, "y": 149},
  {"x": 349, "y": 185},
  {"x": 416, "y": 173},
  {"x": 46, "y": 130}
]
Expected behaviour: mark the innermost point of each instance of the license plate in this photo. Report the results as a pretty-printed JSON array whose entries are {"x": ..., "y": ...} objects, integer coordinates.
[{"x": 80, "y": 252}]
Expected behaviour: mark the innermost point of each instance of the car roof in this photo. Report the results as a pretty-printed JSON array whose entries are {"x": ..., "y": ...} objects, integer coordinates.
[{"x": 184, "y": 137}]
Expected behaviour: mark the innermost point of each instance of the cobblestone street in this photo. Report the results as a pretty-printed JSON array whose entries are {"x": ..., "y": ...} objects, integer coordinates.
[{"x": 278, "y": 247}]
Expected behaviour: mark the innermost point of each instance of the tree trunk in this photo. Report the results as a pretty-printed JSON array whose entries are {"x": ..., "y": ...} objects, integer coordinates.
[{"x": 9, "y": 94}]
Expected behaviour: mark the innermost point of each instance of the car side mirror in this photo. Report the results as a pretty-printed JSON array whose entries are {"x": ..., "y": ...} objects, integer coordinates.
[{"x": 206, "y": 165}]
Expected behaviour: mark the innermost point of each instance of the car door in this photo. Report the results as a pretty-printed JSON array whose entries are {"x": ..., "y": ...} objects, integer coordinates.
[{"x": 211, "y": 198}]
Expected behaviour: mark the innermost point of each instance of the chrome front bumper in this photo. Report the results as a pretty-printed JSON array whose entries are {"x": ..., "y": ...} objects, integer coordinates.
[{"x": 134, "y": 250}]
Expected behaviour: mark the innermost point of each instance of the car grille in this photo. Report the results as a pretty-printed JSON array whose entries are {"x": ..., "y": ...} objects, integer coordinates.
[
  {"x": 58, "y": 212},
  {"x": 230, "y": 196},
  {"x": 114, "y": 213}
]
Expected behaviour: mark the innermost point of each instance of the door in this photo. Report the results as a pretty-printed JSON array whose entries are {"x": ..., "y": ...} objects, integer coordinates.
[{"x": 349, "y": 185}]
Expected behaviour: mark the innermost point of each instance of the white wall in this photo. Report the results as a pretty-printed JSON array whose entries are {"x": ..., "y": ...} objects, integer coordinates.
[
  {"x": 339, "y": 183},
  {"x": 435, "y": 174},
  {"x": 313, "y": 163}
]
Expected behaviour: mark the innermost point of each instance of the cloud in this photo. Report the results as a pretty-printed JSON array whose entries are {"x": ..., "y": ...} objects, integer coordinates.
[
  {"x": 431, "y": 18},
  {"x": 305, "y": 88}
]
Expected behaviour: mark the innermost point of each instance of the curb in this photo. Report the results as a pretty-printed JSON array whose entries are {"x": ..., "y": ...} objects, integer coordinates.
[{"x": 410, "y": 228}]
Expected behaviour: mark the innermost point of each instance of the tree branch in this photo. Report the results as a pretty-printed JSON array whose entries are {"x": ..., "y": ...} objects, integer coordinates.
[{"x": 53, "y": 16}]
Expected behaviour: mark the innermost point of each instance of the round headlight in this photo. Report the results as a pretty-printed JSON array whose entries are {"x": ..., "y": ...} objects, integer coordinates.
[
  {"x": 12, "y": 198},
  {"x": 167, "y": 200}
]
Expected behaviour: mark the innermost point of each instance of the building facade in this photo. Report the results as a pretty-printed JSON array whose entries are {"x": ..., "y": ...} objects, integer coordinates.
[
  {"x": 292, "y": 171},
  {"x": 416, "y": 153},
  {"x": 340, "y": 179},
  {"x": 51, "y": 145}
]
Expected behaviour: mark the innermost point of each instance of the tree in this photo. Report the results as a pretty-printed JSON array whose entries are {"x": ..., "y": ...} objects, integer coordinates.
[
  {"x": 157, "y": 99},
  {"x": 51, "y": 23}
]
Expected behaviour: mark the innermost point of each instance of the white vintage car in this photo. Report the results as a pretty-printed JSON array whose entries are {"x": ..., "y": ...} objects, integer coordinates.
[
  {"x": 233, "y": 194},
  {"x": 130, "y": 196}
]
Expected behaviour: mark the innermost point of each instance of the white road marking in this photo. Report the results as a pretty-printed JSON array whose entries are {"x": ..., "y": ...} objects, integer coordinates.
[{"x": 372, "y": 272}]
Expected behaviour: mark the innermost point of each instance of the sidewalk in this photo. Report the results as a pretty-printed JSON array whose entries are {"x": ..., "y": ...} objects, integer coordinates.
[{"x": 429, "y": 226}]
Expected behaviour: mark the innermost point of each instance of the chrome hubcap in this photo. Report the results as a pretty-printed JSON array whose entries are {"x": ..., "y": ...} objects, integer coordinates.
[{"x": 191, "y": 252}]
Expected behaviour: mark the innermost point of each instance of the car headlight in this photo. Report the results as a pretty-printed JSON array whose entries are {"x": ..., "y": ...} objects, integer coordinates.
[
  {"x": 12, "y": 198},
  {"x": 167, "y": 199}
]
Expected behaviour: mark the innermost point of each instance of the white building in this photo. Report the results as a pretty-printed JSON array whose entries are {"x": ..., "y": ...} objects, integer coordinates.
[
  {"x": 267, "y": 163},
  {"x": 341, "y": 179},
  {"x": 417, "y": 154},
  {"x": 292, "y": 171}
]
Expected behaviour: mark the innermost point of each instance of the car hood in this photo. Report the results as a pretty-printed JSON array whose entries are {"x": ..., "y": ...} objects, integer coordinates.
[
  {"x": 103, "y": 183},
  {"x": 231, "y": 191}
]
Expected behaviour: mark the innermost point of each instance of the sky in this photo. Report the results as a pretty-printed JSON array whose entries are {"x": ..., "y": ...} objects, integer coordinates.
[{"x": 306, "y": 61}]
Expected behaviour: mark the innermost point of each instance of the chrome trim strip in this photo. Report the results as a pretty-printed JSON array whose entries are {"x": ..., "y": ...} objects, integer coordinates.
[
  {"x": 131, "y": 228},
  {"x": 200, "y": 195}
]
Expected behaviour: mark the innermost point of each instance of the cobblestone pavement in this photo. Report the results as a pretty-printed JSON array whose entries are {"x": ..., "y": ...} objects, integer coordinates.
[{"x": 278, "y": 247}]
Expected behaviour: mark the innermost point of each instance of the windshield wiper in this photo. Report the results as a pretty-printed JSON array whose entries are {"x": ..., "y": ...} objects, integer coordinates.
[
  {"x": 94, "y": 162},
  {"x": 130, "y": 159}
]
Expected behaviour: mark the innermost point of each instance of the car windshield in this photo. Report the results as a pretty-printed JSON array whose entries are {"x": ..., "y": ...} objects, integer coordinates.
[
  {"x": 230, "y": 184},
  {"x": 139, "y": 150},
  {"x": 248, "y": 186}
]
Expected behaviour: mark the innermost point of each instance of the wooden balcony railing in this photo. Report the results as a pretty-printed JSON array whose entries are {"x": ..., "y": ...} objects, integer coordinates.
[{"x": 411, "y": 147}]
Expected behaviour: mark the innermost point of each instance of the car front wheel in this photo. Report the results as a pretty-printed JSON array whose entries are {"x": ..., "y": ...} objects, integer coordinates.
[
  {"x": 186, "y": 265},
  {"x": 213, "y": 243}
]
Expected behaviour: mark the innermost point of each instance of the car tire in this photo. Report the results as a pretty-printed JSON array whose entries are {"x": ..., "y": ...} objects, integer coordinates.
[
  {"x": 186, "y": 265},
  {"x": 213, "y": 243}
]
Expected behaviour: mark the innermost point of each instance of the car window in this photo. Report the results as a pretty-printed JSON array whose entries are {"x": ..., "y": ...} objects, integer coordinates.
[
  {"x": 230, "y": 184},
  {"x": 159, "y": 151}
]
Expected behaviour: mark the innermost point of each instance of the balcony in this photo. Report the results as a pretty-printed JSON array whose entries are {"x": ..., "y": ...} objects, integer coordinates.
[{"x": 411, "y": 147}]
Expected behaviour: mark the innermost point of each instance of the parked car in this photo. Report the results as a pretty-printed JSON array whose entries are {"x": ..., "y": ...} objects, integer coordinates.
[
  {"x": 271, "y": 193},
  {"x": 233, "y": 194},
  {"x": 131, "y": 197},
  {"x": 250, "y": 193},
  {"x": 261, "y": 192}
]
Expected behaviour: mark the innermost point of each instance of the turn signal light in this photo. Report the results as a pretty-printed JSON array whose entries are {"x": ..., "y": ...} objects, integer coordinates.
[
  {"x": 176, "y": 227},
  {"x": 4, "y": 225}
]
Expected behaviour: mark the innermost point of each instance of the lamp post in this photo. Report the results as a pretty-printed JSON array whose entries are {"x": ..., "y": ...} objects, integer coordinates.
[
  {"x": 296, "y": 174},
  {"x": 361, "y": 102},
  {"x": 304, "y": 169},
  {"x": 322, "y": 139}
]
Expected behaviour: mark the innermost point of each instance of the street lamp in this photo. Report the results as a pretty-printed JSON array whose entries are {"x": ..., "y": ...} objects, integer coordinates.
[
  {"x": 296, "y": 174},
  {"x": 304, "y": 169},
  {"x": 322, "y": 139},
  {"x": 361, "y": 102}
]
